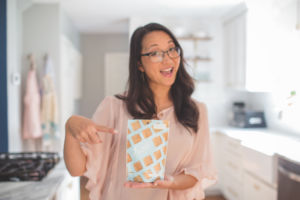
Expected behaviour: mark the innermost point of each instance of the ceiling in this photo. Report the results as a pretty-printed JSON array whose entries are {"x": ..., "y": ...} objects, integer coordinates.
[{"x": 112, "y": 16}]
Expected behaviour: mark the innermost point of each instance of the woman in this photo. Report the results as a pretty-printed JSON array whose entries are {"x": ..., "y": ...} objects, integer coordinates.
[{"x": 158, "y": 88}]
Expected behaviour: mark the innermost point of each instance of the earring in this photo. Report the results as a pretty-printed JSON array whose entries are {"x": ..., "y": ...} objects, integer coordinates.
[{"x": 143, "y": 76}]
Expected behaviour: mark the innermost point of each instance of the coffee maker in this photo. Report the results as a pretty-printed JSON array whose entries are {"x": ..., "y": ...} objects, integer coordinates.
[{"x": 243, "y": 118}]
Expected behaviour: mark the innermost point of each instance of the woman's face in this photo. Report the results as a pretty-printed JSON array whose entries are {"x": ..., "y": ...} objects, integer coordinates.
[{"x": 159, "y": 73}]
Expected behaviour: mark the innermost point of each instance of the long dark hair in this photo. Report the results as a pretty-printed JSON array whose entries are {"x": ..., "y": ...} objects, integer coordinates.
[{"x": 139, "y": 97}]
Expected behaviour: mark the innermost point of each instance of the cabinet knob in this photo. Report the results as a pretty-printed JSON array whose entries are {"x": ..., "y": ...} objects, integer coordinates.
[
  {"x": 256, "y": 187},
  {"x": 232, "y": 192},
  {"x": 230, "y": 164},
  {"x": 70, "y": 185}
]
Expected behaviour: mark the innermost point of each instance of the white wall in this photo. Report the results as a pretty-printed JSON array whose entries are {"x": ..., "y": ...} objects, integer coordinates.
[
  {"x": 68, "y": 29},
  {"x": 41, "y": 31},
  {"x": 94, "y": 47},
  {"x": 14, "y": 31},
  {"x": 270, "y": 104}
]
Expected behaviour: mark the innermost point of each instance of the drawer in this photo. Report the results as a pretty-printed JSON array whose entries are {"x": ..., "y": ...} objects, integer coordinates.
[
  {"x": 259, "y": 164},
  {"x": 233, "y": 166},
  {"x": 256, "y": 189},
  {"x": 232, "y": 188},
  {"x": 233, "y": 147},
  {"x": 233, "y": 171}
]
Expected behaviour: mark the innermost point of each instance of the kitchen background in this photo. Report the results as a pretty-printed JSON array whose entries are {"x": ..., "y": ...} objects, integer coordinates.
[{"x": 237, "y": 51}]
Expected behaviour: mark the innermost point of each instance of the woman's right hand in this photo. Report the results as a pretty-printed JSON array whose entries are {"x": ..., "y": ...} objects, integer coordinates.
[{"x": 85, "y": 130}]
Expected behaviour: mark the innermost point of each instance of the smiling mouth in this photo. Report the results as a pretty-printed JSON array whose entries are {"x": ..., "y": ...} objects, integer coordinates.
[{"x": 167, "y": 72}]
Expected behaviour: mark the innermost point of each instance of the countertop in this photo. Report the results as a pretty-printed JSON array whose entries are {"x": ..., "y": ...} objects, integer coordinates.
[
  {"x": 266, "y": 141},
  {"x": 31, "y": 190}
]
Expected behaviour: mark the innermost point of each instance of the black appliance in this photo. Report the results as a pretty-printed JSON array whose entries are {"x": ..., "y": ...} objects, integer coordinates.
[
  {"x": 243, "y": 118},
  {"x": 288, "y": 182},
  {"x": 26, "y": 166}
]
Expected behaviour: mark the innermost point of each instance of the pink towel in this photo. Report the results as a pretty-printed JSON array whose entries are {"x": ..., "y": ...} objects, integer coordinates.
[{"x": 32, "y": 113}]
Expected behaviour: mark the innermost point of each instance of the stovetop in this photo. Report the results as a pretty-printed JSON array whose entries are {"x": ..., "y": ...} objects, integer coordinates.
[{"x": 26, "y": 166}]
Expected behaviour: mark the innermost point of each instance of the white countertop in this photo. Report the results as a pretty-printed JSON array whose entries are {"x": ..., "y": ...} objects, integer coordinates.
[
  {"x": 35, "y": 190},
  {"x": 265, "y": 141}
]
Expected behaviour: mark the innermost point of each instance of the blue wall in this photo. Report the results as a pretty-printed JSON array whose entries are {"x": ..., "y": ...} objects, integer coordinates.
[{"x": 3, "y": 79}]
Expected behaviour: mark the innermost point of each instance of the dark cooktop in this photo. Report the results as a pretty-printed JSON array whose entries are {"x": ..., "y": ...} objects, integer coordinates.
[{"x": 26, "y": 166}]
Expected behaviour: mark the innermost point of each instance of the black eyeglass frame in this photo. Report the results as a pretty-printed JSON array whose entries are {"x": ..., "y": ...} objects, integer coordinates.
[{"x": 163, "y": 52}]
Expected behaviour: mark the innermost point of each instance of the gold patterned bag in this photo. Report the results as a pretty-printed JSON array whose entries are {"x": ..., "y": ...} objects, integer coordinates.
[{"x": 147, "y": 143}]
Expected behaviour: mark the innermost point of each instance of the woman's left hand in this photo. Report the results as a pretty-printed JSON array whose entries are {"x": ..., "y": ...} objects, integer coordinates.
[{"x": 161, "y": 184}]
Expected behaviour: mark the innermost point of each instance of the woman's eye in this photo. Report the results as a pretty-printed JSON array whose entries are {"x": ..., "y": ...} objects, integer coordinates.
[
  {"x": 154, "y": 53},
  {"x": 172, "y": 49}
]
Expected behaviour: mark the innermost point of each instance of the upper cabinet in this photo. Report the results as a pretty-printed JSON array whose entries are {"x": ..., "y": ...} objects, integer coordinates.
[
  {"x": 260, "y": 45},
  {"x": 235, "y": 51}
]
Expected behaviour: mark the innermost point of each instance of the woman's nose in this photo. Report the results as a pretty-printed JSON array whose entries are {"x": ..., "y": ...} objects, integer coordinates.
[{"x": 166, "y": 58}]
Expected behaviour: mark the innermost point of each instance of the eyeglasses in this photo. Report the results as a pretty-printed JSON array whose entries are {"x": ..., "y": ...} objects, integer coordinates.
[{"x": 158, "y": 56}]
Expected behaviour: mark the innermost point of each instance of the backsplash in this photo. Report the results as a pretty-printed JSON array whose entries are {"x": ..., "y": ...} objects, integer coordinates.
[
  {"x": 273, "y": 104},
  {"x": 219, "y": 102}
]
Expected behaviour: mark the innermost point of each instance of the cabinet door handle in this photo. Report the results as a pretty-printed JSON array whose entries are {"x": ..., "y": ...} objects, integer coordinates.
[
  {"x": 232, "y": 192},
  {"x": 291, "y": 175},
  {"x": 230, "y": 164},
  {"x": 233, "y": 145},
  {"x": 256, "y": 187},
  {"x": 70, "y": 185}
]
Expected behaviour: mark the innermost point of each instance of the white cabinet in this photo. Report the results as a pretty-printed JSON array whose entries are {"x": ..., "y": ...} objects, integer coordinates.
[
  {"x": 69, "y": 189},
  {"x": 235, "y": 51},
  {"x": 272, "y": 43},
  {"x": 260, "y": 165},
  {"x": 256, "y": 189},
  {"x": 244, "y": 174},
  {"x": 229, "y": 166},
  {"x": 260, "y": 47},
  {"x": 259, "y": 175}
]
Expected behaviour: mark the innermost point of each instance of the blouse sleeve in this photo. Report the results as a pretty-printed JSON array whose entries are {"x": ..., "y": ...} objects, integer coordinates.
[
  {"x": 98, "y": 155},
  {"x": 200, "y": 162}
]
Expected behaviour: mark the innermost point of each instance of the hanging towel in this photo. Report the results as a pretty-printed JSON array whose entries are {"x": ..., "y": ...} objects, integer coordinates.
[
  {"x": 32, "y": 102},
  {"x": 49, "y": 106}
]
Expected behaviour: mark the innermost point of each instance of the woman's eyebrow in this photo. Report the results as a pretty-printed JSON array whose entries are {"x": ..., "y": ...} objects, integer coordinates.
[{"x": 153, "y": 45}]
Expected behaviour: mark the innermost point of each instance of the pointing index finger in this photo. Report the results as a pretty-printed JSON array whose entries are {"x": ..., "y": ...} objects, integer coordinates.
[{"x": 106, "y": 129}]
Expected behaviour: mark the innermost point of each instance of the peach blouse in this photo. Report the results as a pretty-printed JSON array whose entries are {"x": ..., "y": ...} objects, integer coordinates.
[{"x": 187, "y": 153}]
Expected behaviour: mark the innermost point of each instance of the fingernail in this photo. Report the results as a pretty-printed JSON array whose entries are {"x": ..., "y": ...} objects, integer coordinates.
[
  {"x": 116, "y": 131},
  {"x": 155, "y": 184}
]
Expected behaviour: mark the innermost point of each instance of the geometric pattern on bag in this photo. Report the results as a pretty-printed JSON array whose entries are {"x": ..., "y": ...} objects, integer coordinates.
[{"x": 146, "y": 152}]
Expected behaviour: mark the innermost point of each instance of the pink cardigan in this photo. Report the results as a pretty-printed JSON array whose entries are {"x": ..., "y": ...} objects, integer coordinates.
[{"x": 106, "y": 162}]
